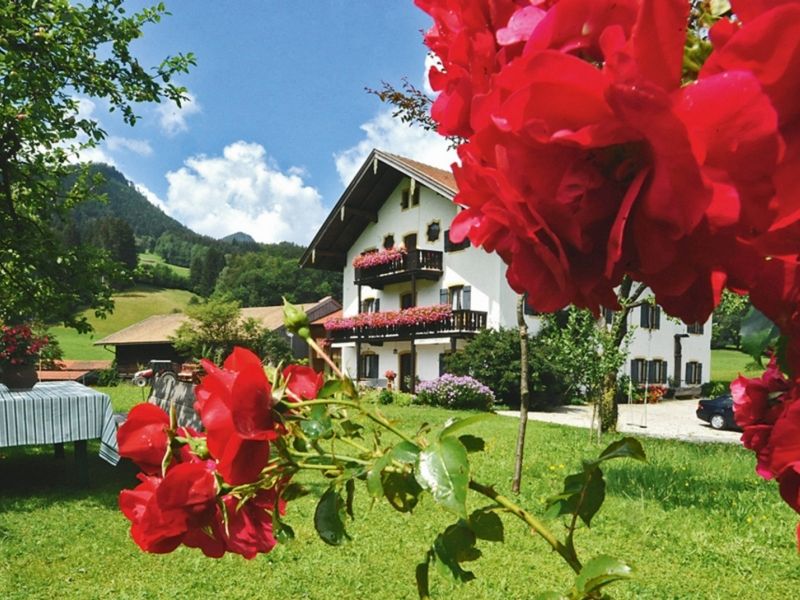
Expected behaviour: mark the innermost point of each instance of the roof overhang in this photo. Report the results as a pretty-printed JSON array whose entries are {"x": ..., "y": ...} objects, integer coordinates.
[{"x": 358, "y": 206}]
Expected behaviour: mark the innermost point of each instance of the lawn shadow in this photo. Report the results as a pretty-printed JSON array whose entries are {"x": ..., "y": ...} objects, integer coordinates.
[
  {"x": 674, "y": 487},
  {"x": 33, "y": 478}
]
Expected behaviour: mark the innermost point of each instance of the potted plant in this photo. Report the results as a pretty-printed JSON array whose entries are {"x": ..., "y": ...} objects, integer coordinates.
[{"x": 19, "y": 350}]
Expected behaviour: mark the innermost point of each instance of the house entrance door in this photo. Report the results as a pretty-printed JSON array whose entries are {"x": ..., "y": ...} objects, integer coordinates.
[{"x": 405, "y": 371}]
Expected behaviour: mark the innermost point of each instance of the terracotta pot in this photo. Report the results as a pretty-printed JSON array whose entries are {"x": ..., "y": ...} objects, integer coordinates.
[{"x": 19, "y": 377}]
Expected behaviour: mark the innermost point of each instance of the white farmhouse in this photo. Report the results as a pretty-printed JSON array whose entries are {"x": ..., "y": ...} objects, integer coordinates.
[{"x": 413, "y": 296}]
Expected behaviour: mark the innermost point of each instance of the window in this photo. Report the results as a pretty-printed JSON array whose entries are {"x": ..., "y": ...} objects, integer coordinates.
[
  {"x": 638, "y": 370},
  {"x": 434, "y": 229},
  {"x": 443, "y": 363},
  {"x": 696, "y": 328},
  {"x": 452, "y": 246},
  {"x": 694, "y": 373},
  {"x": 409, "y": 198},
  {"x": 369, "y": 366},
  {"x": 388, "y": 241},
  {"x": 406, "y": 300},
  {"x": 528, "y": 309},
  {"x": 657, "y": 371},
  {"x": 651, "y": 316},
  {"x": 371, "y": 305},
  {"x": 458, "y": 297}
]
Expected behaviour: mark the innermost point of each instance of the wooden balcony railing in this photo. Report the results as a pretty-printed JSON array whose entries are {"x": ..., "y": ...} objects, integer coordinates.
[
  {"x": 461, "y": 323},
  {"x": 424, "y": 264}
]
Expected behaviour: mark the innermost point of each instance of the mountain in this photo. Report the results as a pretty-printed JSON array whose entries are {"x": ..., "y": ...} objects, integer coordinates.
[
  {"x": 129, "y": 204},
  {"x": 238, "y": 238}
]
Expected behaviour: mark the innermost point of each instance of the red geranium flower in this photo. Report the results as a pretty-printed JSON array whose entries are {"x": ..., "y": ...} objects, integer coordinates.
[
  {"x": 235, "y": 405},
  {"x": 143, "y": 437},
  {"x": 304, "y": 382}
]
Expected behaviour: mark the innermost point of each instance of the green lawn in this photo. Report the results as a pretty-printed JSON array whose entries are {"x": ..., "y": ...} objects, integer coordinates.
[
  {"x": 695, "y": 521},
  {"x": 727, "y": 365},
  {"x": 130, "y": 307},
  {"x": 148, "y": 258}
]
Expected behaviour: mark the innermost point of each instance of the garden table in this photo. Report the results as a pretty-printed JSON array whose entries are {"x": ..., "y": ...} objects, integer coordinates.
[{"x": 55, "y": 412}]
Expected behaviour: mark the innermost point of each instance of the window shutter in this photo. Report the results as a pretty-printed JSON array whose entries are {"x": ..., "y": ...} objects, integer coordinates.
[
  {"x": 657, "y": 317},
  {"x": 644, "y": 320},
  {"x": 689, "y": 378},
  {"x": 699, "y": 373},
  {"x": 651, "y": 372},
  {"x": 635, "y": 370},
  {"x": 377, "y": 305},
  {"x": 443, "y": 296},
  {"x": 466, "y": 297}
]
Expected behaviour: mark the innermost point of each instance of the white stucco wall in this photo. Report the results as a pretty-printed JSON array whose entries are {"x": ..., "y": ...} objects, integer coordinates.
[{"x": 490, "y": 292}]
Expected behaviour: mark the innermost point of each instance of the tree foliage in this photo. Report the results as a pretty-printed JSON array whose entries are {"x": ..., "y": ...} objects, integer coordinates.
[
  {"x": 727, "y": 321},
  {"x": 52, "y": 52},
  {"x": 215, "y": 327}
]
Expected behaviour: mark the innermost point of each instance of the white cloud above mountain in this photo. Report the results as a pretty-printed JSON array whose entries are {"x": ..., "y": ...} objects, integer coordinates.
[
  {"x": 173, "y": 119},
  {"x": 244, "y": 190}
]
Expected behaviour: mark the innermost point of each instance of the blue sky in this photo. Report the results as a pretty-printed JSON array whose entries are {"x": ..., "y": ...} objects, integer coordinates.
[{"x": 279, "y": 118}]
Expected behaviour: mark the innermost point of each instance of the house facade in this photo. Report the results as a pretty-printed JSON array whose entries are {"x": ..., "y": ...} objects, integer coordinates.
[{"x": 411, "y": 296}]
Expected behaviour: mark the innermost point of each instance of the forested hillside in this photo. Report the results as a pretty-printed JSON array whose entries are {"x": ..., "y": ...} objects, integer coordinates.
[{"x": 235, "y": 266}]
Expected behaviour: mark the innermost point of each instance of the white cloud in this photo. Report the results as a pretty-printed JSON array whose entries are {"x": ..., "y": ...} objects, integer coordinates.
[
  {"x": 140, "y": 147},
  {"x": 387, "y": 133},
  {"x": 173, "y": 119},
  {"x": 151, "y": 196},
  {"x": 244, "y": 190}
]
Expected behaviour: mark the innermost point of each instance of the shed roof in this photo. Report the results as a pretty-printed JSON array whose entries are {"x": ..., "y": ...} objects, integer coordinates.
[
  {"x": 358, "y": 206},
  {"x": 158, "y": 329}
]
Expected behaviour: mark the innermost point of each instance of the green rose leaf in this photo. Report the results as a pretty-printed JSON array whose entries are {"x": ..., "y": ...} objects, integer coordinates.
[
  {"x": 583, "y": 495},
  {"x": 401, "y": 490},
  {"x": 486, "y": 525},
  {"x": 374, "y": 476},
  {"x": 329, "y": 518},
  {"x": 453, "y": 547},
  {"x": 758, "y": 333},
  {"x": 318, "y": 425},
  {"x": 625, "y": 448},
  {"x": 443, "y": 469},
  {"x": 599, "y": 572},
  {"x": 454, "y": 426}
]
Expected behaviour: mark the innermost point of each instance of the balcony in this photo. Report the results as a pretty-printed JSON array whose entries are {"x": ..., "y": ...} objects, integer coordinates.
[
  {"x": 437, "y": 321},
  {"x": 422, "y": 264}
]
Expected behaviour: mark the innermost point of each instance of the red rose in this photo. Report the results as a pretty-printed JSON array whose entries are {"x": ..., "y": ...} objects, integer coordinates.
[
  {"x": 303, "y": 382},
  {"x": 757, "y": 400},
  {"x": 784, "y": 442},
  {"x": 250, "y": 525},
  {"x": 756, "y": 438},
  {"x": 143, "y": 437},
  {"x": 235, "y": 405},
  {"x": 790, "y": 486}
]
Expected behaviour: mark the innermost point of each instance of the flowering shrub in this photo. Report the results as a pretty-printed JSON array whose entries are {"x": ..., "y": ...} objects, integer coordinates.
[
  {"x": 455, "y": 391},
  {"x": 416, "y": 315},
  {"x": 227, "y": 489},
  {"x": 390, "y": 375},
  {"x": 383, "y": 256},
  {"x": 19, "y": 346},
  {"x": 647, "y": 140},
  {"x": 654, "y": 394}
]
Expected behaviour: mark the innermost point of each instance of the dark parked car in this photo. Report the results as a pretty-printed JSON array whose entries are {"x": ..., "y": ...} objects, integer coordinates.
[{"x": 718, "y": 412}]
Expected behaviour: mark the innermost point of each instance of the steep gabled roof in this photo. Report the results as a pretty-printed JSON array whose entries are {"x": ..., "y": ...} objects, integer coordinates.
[{"x": 359, "y": 204}]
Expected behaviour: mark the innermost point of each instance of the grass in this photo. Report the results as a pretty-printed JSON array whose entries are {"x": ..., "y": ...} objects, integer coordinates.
[
  {"x": 148, "y": 258},
  {"x": 694, "y": 521},
  {"x": 130, "y": 306},
  {"x": 726, "y": 365}
]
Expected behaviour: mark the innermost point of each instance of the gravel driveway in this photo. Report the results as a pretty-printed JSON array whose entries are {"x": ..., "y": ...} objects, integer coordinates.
[{"x": 671, "y": 419}]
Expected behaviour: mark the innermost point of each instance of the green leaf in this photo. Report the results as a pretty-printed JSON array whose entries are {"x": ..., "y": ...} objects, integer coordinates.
[
  {"x": 455, "y": 425},
  {"x": 374, "y": 476},
  {"x": 351, "y": 429},
  {"x": 443, "y": 469},
  {"x": 625, "y": 448},
  {"x": 318, "y": 425},
  {"x": 583, "y": 494},
  {"x": 454, "y": 546},
  {"x": 293, "y": 491},
  {"x": 472, "y": 443},
  {"x": 329, "y": 518},
  {"x": 401, "y": 490},
  {"x": 486, "y": 525},
  {"x": 331, "y": 388},
  {"x": 405, "y": 452},
  {"x": 758, "y": 333},
  {"x": 599, "y": 572}
]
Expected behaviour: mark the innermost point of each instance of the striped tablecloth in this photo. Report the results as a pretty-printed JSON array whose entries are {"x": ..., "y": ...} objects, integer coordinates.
[{"x": 55, "y": 412}]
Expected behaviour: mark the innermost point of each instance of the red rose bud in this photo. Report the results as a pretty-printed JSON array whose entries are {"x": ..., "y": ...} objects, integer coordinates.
[
  {"x": 302, "y": 381},
  {"x": 143, "y": 437}
]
